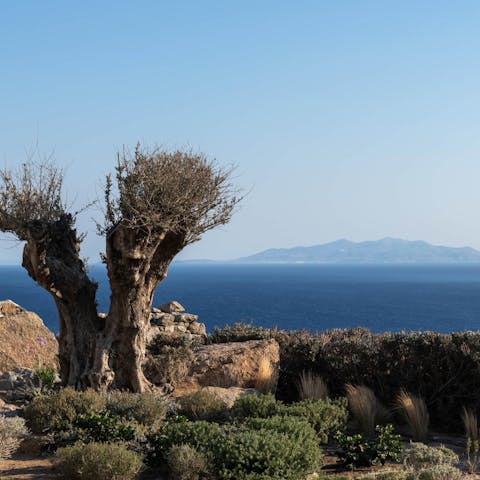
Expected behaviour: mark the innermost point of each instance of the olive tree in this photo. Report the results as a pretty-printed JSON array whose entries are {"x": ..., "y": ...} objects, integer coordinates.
[{"x": 156, "y": 203}]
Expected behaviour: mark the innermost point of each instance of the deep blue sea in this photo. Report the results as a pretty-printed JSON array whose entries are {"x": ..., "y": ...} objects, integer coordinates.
[{"x": 314, "y": 297}]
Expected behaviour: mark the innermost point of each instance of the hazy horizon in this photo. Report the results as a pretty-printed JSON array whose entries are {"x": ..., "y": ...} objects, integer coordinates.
[{"x": 353, "y": 120}]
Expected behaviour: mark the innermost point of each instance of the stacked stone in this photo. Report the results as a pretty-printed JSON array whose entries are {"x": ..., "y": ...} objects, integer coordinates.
[{"x": 171, "y": 318}]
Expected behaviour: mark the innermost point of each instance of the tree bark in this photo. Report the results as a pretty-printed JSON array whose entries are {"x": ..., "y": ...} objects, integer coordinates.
[
  {"x": 51, "y": 258},
  {"x": 137, "y": 262}
]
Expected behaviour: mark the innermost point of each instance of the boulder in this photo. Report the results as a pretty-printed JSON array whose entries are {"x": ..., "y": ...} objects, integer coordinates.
[
  {"x": 171, "y": 307},
  {"x": 229, "y": 395},
  {"x": 228, "y": 365},
  {"x": 25, "y": 341}
]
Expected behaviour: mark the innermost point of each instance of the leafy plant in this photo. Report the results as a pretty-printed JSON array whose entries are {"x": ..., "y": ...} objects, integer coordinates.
[
  {"x": 262, "y": 406},
  {"x": 99, "y": 461},
  {"x": 102, "y": 427},
  {"x": 359, "y": 451}
]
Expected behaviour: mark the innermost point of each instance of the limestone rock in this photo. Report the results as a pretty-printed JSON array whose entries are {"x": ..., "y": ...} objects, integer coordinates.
[
  {"x": 197, "y": 328},
  {"x": 25, "y": 341},
  {"x": 171, "y": 307},
  {"x": 233, "y": 364},
  {"x": 229, "y": 395}
]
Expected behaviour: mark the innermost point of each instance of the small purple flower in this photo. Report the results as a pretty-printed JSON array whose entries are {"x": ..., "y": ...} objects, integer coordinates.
[
  {"x": 41, "y": 341},
  {"x": 31, "y": 350}
]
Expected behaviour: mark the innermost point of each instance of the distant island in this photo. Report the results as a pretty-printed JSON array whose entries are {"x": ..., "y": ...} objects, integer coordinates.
[{"x": 384, "y": 251}]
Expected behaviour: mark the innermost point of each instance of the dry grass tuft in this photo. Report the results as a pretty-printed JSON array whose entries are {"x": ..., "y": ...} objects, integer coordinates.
[
  {"x": 415, "y": 413},
  {"x": 470, "y": 423},
  {"x": 265, "y": 379},
  {"x": 367, "y": 410},
  {"x": 312, "y": 387}
]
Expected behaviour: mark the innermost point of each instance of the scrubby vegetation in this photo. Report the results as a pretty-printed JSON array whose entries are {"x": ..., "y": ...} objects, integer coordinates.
[
  {"x": 99, "y": 461},
  {"x": 12, "y": 431}
]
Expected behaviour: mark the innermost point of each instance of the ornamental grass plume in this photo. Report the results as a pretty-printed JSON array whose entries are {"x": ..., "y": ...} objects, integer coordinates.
[
  {"x": 265, "y": 378},
  {"x": 415, "y": 413},
  {"x": 311, "y": 386},
  {"x": 367, "y": 410}
]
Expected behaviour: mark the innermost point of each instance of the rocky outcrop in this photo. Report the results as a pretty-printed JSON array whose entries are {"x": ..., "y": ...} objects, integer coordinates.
[
  {"x": 168, "y": 319},
  {"x": 25, "y": 341},
  {"x": 230, "y": 395},
  {"x": 231, "y": 365}
]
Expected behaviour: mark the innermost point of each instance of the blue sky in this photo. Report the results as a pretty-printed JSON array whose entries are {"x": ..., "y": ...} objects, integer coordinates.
[{"x": 355, "y": 119}]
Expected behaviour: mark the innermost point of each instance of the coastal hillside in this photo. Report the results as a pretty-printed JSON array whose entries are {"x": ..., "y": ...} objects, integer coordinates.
[{"x": 385, "y": 251}]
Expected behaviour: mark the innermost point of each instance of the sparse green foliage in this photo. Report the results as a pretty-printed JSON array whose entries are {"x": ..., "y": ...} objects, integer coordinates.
[
  {"x": 420, "y": 456},
  {"x": 169, "y": 366}
]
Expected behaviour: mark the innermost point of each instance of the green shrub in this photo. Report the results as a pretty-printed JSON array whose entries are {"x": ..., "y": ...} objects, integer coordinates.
[
  {"x": 239, "y": 332},
  {"x": 12, "y": 432},
  {"x": 439, "y": 472},
  {"x": 102, "y": 427},
  {"x": 272, "y": 450},
  {"x": 46, "y": 376},
  {"x": 99, "y": 461},
  {"x": 261, "y": 406},
  {"x": 359, "y": 451},
  {"x": 201, "y": 435},
  {"x": 58, "y": 410},
  {"x": 202, "y": 405},
  {"x": 325, "y": 416},
  {"x": 420, "y": 456},
  {"x": 145, "y": 408},
  {"x": 186, "y": 463}
]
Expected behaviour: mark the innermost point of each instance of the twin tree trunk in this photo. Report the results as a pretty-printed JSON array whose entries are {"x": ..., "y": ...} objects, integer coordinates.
[{"x": 96, "y": 352}]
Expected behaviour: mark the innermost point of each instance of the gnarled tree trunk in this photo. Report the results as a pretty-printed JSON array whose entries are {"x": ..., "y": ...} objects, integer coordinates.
[{"x": 51, "y": 258}]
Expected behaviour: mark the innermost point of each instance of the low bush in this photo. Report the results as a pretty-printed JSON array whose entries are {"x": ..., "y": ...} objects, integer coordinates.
[
  {"x": 202, "y": 405},
  {"x": 12, "y": 432},
  {"x": 261, "y": 406},
  {"x": 271, "y": 448},
  {"x": 240, "y": 332},
  {"x": 203, "y": 436},
  {"x": 99, "y": 461},
  {"x": 102, "y": 427},
  {"x": 268, "y": 453},
  {"x": 325, "y": 416},
  {"x": 359, "y": 451},
  {"x": 439, "y": 472},
  {"x": 420, "y": 456},
  {"x": 185, "y": 463},
  {"x": 46, "y": 376},
  {"x": 145, "y": 408},
  {"x": 386, "y": 475},
  {"x": 58, "y": 410}
]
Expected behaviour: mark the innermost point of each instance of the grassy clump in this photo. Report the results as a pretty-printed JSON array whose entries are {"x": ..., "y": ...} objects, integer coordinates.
[
  {"x": 311, "y": 387},
  {"x": 414, "y": 411}
]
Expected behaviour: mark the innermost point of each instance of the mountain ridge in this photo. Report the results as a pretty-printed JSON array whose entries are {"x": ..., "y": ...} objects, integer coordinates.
[{"x": 384, "y": 251}]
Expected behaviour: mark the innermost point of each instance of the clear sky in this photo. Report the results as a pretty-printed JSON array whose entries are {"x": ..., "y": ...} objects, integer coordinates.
[{"x": 347, "y": 119}]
